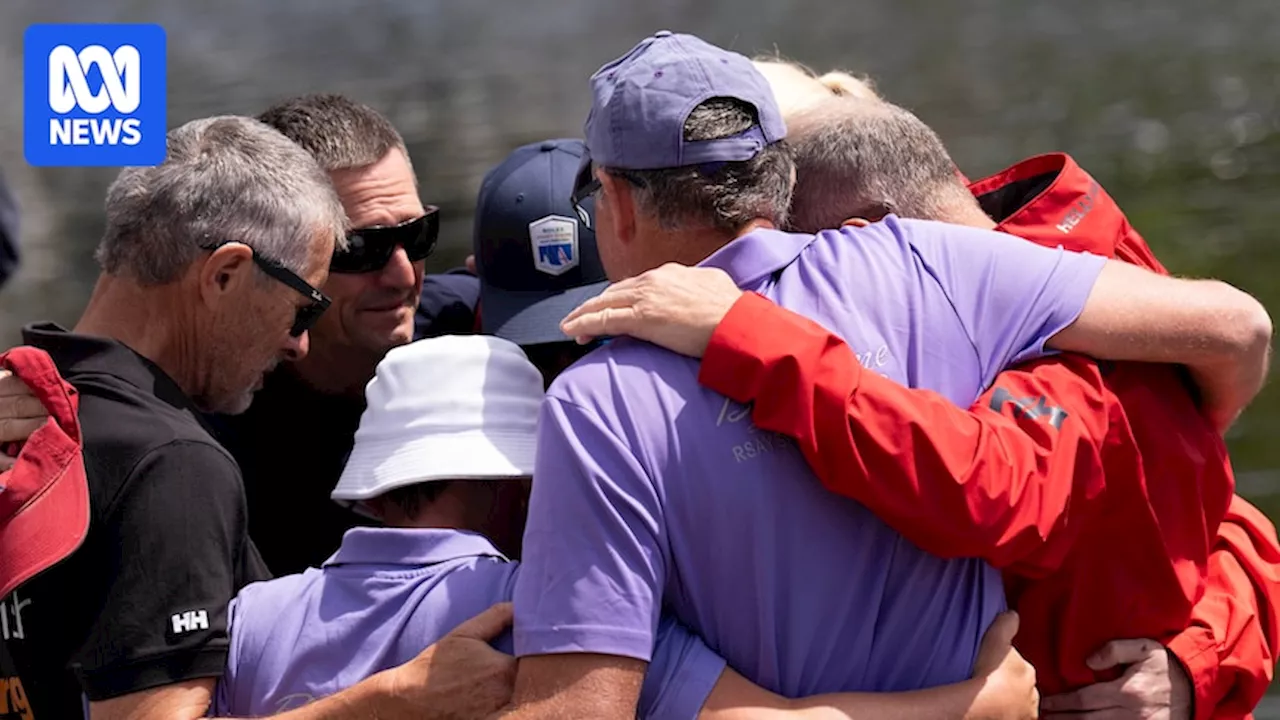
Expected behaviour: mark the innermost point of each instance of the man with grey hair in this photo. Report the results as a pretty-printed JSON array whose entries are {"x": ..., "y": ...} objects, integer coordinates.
[
  {"x": 210, "y": 263},
  {"x": 292, "y": 443},
  {"x": 868, "y": 159},
  {"x": 632, "y": 509}
]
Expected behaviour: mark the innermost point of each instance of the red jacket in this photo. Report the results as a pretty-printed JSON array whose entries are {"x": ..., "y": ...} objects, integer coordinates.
[{"x": 1014, "y": 481}]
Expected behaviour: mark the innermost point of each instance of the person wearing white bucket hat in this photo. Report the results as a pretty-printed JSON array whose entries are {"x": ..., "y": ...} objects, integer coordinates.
[{"x": 442, "y": 465}]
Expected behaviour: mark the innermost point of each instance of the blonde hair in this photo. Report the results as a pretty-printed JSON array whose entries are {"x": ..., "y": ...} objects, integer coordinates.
[{"x": 797, "y": 88}]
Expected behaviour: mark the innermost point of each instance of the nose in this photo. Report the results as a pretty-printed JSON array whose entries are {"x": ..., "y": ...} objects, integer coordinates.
[
  {"x": 296, "y": 348},
  {"x": 399, "y": 271}
]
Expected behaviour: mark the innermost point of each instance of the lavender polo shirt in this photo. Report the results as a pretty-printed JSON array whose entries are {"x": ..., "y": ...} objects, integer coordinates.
[
  {"x": 652, "y": 491},
  {"x": 380, "y": 600}
]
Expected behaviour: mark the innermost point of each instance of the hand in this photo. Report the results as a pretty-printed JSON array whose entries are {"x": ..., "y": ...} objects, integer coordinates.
[
  {"x": 470, "y": 264},
  {"x": 20, "y": 413},
  {"x": 458, "y": 678},
  {"x": 674, "y": 306},
  {"x": 1008, "y": 682},
  {"x": 1154, "y": 687}
]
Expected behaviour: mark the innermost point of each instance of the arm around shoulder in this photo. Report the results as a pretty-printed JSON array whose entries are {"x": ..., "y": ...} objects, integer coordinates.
[{"x": 1222, "y": 334}]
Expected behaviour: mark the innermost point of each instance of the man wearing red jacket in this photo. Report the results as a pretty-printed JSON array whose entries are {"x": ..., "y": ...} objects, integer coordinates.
[{"x": 1197, "y": 567}]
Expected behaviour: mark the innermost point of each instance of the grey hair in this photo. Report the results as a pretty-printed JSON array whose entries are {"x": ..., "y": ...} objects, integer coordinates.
[
  {"x": 868, "y": 158},
  {"x": 340, "y": 133},
  {"x": 727, "y": 197},
  {"x": 226, "y": 179}
]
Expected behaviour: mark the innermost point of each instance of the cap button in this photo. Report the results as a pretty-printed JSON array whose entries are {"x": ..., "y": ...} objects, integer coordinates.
[
  {"x": 662, "y": 33},
  {"x": 548, "y": 146}
]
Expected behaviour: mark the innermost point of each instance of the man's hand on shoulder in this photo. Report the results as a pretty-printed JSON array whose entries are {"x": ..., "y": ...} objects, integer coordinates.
[{"x": 461, "y": 676}]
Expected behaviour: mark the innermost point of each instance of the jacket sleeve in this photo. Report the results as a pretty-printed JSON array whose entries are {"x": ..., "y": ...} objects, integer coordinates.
[
  {"x": 1229, "y": 646},
  {"x": 995, "y": 481}
]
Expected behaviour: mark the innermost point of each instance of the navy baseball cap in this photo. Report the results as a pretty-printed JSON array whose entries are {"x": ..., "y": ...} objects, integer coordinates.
[
  {"x": 641, "y": 100},
  {"x": 535, "y": 253}
]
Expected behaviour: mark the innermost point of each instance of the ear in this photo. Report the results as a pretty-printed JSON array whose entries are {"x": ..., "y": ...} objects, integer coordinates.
[
  {"x": 615, "y": 192},
  {"x": 856, "y": 222},
  {"x": 224, "y": 272}
]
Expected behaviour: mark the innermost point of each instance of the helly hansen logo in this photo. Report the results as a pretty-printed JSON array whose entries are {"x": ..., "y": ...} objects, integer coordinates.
[
  {"x": 1031, "y": 407},
  {"x": 189, "y": 621},
  {"x": 1079, "y": 209}
]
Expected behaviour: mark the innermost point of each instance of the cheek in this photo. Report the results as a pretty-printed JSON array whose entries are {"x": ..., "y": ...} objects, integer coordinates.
[{"x": 344, "y": 291}]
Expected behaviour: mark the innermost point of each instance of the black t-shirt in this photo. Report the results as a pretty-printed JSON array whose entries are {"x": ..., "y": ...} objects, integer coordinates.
[
  {"x": 291, "y": 446},
  {"x": 143, "y": 601}
]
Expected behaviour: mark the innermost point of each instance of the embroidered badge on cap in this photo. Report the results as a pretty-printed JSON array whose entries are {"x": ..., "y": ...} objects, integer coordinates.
[{"x": 555, "y": 244}]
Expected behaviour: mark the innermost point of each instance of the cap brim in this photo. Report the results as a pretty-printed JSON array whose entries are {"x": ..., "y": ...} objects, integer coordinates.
[
  {"x": 531, "y": 317},
  {"x": 47, "y": 529}
]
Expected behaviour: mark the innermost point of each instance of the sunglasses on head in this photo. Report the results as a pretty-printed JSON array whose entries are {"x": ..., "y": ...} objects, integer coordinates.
[
  {"x": 369, "y": 249},
  {"x": 307, "y": 315}
]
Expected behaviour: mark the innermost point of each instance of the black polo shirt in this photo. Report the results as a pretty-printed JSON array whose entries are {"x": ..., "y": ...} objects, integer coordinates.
[{"x": 142, "y": 603}]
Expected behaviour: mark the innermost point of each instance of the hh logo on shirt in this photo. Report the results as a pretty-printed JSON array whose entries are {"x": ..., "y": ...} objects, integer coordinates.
[
  {"x": 189, "y": 621},
  {"x": 94, "y": 95}
]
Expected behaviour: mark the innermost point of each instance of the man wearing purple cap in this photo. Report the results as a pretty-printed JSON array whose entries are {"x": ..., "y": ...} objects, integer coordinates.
[{"x": 651, "y": 491}]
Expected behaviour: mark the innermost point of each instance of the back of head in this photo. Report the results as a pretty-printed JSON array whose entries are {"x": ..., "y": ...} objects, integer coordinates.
[
  {"x": 480, "y": 424},
  {"x": 225, "y": 179},
  {"x": 797, "y": 88},
  {"x": 695, "y": 130},
  {"x": 863, "y": 158},
  {"x": 340, "y": 133}
]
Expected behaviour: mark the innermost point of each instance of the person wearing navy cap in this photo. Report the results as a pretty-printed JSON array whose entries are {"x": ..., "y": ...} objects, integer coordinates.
[{"x": 535, "y": 252}]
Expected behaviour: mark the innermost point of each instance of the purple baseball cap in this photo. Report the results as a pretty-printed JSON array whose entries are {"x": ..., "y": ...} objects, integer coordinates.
[{"x": 641, "y": 100}]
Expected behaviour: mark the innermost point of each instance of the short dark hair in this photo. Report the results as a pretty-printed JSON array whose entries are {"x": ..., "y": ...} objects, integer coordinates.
[
  {"x": 411, "y": 498},
  {"x": 726, "y": 197},
  {"x": 340, "y": 133},
  {"x": 868, "y": 158}
]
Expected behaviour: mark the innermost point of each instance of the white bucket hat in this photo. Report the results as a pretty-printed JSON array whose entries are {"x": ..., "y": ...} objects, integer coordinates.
[{"x": 448, "y": 408}]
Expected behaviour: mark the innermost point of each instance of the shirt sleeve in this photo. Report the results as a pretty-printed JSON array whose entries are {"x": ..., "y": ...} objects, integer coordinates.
[
  {"x": 593, "y": 562},
  {"x": 173, "y": 541},
  {"x": 995, "y": 481},
  {"x": 1229, "y": 647},
  {"x": 1010, "y": 295},
  {"x": 681, "y": 675},
  {"x": 224, "y": 693}
]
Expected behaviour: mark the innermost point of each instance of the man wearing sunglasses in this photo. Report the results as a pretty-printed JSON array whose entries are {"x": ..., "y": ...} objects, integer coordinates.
[
  {"x": 201, "y": 295},
  {"x": 292, "y": 443}
]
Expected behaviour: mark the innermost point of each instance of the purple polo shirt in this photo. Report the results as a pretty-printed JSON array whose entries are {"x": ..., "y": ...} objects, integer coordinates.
[
  {"x": 380, "y": 600},
  {"x": 652, "y": 491}
]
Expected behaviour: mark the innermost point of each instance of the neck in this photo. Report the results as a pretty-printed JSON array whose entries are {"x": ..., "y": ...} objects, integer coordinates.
[
  {"x": 446, "y": 512},
  {"x": 967, "y": 213},
  {"x": 337, "y": 369},
  {"x": 693, "y": 245},
  {"x": 144, "y": 319}
]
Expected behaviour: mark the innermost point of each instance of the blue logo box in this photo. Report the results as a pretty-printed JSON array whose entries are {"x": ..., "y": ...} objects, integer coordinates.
[{"x": 94, "y": 95}]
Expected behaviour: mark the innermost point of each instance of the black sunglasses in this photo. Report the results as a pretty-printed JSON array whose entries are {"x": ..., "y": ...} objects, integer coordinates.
[
  {"x": 585, "y": 184},
  {"x": 308, "y": 314},
  {"x": 370, "y": 249}
]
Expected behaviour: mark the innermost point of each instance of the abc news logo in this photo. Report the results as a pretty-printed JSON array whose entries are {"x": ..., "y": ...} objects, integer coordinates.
[
  {"x": 94, "y": 95},
  {"x": 121, "y": 90}
]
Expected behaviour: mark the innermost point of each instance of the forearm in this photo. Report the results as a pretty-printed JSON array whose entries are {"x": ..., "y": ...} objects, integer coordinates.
[
  {"x": 367, "y": 699},
  {"x": 1229, "y": 647},
  {"x": 1221, "y": 333},
  {"x": 971, "y": 483},
  {"x": 736, "y": 698}
]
